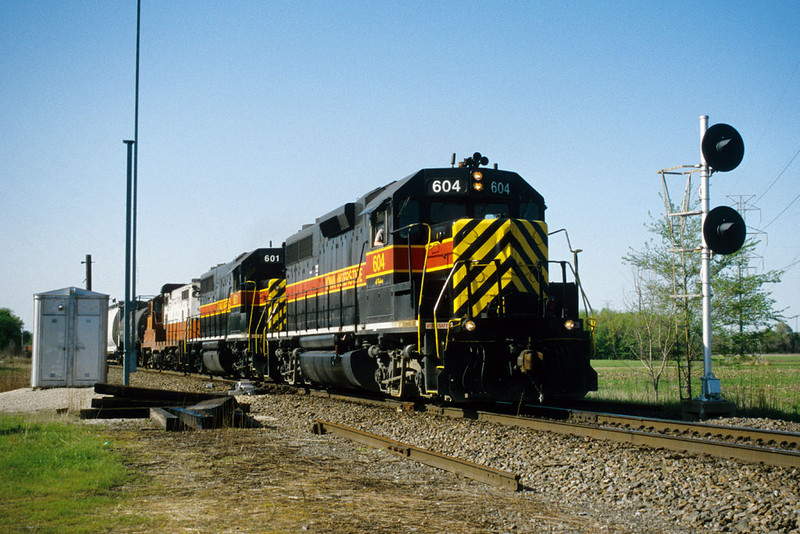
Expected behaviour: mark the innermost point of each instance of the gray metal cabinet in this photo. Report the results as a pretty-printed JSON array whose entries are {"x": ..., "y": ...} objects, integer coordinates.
[{"x": 69, "y": 336}]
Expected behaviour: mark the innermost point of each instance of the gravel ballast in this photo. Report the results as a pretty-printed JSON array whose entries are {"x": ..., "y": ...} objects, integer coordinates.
[{"x": 595, "y": 484}]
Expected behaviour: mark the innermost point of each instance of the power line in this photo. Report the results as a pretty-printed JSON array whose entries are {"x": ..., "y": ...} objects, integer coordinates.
[
  {"x": 779, "y": 175},
  {"x": 780, "y": 100},
  {"x": 794, "y": 262},
  {"x": 782, "y": 211}
]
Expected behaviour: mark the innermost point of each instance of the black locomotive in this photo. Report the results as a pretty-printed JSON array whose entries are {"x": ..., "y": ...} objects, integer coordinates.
[{"x": 438, "y": 285}]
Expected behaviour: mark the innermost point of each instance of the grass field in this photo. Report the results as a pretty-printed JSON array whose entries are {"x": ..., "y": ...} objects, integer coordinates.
[
  {"x": 766, "y": 388},
  {"x": 56, "y": 476}
]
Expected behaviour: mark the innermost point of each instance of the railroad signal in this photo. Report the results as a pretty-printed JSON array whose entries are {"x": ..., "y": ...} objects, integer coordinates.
[
  {"x": 724, "y": 230},
  {"x": 722, "y": 147}
]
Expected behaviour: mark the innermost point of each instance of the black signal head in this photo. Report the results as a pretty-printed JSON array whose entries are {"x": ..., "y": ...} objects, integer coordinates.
[
  {"x": 724, "y": 230},
  {"x": 723, "y": 147}
]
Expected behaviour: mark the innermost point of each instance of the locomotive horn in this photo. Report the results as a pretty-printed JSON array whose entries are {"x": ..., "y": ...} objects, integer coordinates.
[{"x": 476, "y": 161}]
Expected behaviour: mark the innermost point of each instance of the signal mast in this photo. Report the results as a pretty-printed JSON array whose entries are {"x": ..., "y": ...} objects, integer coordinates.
[{"x": 723, "y": 232}]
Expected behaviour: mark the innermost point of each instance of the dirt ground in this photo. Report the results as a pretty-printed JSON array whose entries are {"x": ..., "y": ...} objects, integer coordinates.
[
  {"x": 272, "y": 480},
  {"x": 277, "y": 478}
]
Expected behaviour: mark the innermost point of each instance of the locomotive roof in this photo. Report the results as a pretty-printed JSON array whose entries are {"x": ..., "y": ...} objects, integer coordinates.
[
  {"x": 169, "y": 288},
  {"x": 378, "y": 196},
  {"x": 245, "y": 259},
  {"x": 375, "y": 198}
]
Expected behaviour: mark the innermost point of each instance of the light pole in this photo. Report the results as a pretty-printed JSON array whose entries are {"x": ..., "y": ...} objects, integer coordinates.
[{"x": 129, "y": 354}]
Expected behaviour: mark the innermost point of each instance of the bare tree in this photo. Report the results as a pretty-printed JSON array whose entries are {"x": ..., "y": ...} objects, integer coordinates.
[{"x": 654, "y": 333}]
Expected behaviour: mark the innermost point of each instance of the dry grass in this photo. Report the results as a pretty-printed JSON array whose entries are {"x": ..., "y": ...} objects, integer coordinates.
[
  {"x": 269, "y": 480},
  {"x": 15, "y": 372}
]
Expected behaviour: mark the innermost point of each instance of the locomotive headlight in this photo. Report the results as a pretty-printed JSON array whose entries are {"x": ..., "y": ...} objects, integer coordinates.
[
  {"x": 469, "y": 325},
  {"x": 569, "y": 324},
  {"x": 477, "y": 176}
]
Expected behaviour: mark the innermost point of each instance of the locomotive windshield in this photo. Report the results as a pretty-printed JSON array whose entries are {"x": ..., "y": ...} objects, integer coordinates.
[
  {"x": 452, "y": 210},
  {"x": 495, "y": 210},
  {"x": 446, "y": 211},
  {"x": 530, "y": 211}
]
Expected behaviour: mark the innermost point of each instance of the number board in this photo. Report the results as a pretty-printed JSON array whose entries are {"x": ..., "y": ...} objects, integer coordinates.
[
  {"x": 446, "y": 186},
  {"x": 272, "y": 257},
  {"x": 500, "y": 188}
]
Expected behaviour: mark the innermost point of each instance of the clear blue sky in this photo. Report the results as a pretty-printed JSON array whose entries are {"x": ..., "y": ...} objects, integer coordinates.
[{"x": 256, "y": 117}]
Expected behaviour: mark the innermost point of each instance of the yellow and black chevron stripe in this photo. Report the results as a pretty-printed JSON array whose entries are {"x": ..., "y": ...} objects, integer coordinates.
[
  {"x": 497, "y": 255},
  {"x": 276, "y": 305}
]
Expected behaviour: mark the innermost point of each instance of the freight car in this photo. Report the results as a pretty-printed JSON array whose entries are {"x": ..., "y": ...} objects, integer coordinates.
[
  {"x": 438, "y": 285},
  {"x": 116, "y": 328}
]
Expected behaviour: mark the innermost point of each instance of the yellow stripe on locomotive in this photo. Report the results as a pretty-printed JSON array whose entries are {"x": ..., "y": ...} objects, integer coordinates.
[
  {"x": 275, "y": 300},
  {"x": 496, "y": 254}
]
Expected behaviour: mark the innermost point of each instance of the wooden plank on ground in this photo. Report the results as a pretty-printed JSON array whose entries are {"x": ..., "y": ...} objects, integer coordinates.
[
  {"x": 170, "y": 396},
  {"x": 114, "y": 402},
  {"x": 193, "y": 419},
  {"x": 166, "y": 420}
]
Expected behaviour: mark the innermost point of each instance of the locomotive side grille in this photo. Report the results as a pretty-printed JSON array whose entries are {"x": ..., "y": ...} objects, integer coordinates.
[{"x": 500, "y": 255}]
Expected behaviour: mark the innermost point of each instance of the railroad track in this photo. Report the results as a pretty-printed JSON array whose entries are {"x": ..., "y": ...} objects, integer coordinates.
[
  {"x": 750, "y": 445},
  {"x": 482, "y": 473},
  {"x": 696, "y": 438}
]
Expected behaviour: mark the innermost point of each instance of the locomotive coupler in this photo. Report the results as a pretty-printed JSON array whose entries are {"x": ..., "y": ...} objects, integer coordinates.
[{"x": 528, "y": 360}]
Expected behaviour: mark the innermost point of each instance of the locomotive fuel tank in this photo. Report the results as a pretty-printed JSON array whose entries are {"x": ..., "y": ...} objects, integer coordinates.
[
  {"x": 218, "y": 359},
  {"x": 353, "y": 369}
]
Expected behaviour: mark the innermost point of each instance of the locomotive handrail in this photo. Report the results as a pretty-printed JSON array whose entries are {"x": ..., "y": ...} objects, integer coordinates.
[
  {"x": 355, "y": 283},
  {"x": 587, "y": 306},
  {"x": 252, "y": 305},
  {"x": 456, "y": 264},
  {"x": 422, "y": 278},
  {"x": 414, "y": 302},
  {"x": 272, "y": 306},
  {"x": 326, "y": 290},
  {"x": 258, "y": 326}
]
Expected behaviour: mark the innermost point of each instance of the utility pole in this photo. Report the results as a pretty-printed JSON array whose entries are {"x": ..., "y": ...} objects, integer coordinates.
[
  {"x": 129, "y": 361},
  {"x": 130, "y": 353},
  {"x": 88, "y": 263}
]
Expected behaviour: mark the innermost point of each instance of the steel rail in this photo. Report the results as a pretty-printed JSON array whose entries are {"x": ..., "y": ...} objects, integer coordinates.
[
  {"x": 779, "y": 438},
  {"x": 769, "y": 438},
  {"x": 746, "y": 453},
  {"x": 481, "y": 473}
]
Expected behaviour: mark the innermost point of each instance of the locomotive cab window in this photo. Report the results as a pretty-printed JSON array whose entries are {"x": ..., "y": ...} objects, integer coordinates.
[
  {"x": 491, "y": 211},
  {"x": 407, "y": 214},
  {"x": 379, "y": 231}
]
